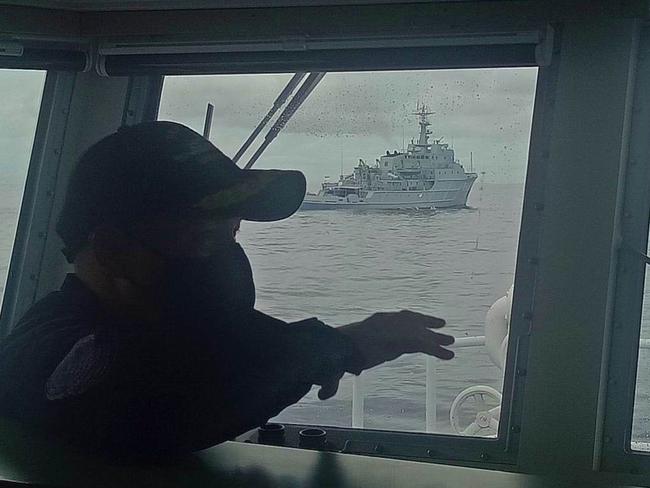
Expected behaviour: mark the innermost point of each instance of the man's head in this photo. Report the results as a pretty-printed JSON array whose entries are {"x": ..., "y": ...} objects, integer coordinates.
[{"x": 156, "y": 192}]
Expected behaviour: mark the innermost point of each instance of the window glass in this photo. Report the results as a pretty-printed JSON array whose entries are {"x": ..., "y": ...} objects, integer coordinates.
[
  {"x": 21, "y": 98},
  {"x": 641, "y": 419},
  {"x": 387, "y": 227}
]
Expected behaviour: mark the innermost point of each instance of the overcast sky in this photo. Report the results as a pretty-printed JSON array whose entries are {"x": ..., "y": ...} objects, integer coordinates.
[
  {"x": 361, "y": 115},
  {"x": 349, "y": 116}
]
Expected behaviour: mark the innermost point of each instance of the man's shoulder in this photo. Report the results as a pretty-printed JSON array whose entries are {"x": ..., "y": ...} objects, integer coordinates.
[
  {"x": 38, "y": 345},
  {"x": 50, "y": 327},
  {"x": 73, "y": 306}
]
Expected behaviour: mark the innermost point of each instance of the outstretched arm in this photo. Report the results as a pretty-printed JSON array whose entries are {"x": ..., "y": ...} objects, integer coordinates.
[
  {"x": 189, "y": 391},
  {"x": 312, "y": 352}
]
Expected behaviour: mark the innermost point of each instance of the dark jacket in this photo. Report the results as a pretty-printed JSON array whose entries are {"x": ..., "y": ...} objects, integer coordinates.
[{"x": 72, "y": 369}]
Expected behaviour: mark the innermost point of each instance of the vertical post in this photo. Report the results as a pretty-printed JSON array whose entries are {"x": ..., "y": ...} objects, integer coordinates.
[
  {"x": 582, "y": 127},
  {"x": 207, "y": 125},
  {"x": 36, "y": 208},
  {"x": 431, "y": 395},
  {"x": 357, "y": 401},
  {"x": 142, "y": 99}
]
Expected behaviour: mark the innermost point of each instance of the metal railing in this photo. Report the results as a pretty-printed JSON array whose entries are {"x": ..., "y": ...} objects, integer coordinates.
[{"x": 358, "y": 394}]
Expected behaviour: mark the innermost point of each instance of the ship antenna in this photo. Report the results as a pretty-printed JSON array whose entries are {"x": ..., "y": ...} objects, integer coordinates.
[{"x": 423, "y": 114}]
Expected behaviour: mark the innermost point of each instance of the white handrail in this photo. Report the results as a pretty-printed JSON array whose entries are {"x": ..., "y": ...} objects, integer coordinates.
[
  {"x": 469, "y": 341},
  {"x": 358, "y": 397},
  {"x": 431, "y": 402},
  {"x": 358, "y": 394}
]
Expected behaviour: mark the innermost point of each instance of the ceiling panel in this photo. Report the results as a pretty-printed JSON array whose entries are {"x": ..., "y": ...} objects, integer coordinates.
[{"x": 98, "y": 5}]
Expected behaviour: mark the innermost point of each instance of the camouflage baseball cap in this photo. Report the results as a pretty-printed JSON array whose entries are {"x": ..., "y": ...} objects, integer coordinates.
[{"x": 151, "y": 168}]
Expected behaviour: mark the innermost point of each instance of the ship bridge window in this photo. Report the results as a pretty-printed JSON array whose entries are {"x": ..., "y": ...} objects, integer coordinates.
[
  {"x": 395, "y": 252},
  {"x": 21, "y": 92}
]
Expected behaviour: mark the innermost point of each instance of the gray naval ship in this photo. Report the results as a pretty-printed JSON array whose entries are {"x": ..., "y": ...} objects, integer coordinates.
[{"x": 426, "y": 176}]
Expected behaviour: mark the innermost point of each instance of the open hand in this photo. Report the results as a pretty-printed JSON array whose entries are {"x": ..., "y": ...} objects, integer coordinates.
[{"x": 385, "y": 336}]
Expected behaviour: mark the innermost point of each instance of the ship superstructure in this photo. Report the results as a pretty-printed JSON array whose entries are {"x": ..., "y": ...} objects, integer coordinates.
[{"x": 426, "y": 175}]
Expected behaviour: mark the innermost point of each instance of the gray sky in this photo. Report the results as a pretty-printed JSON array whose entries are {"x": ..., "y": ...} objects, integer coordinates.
[
  {"x": 349, "y": 116},
  {"x": 361, "y": 115}
]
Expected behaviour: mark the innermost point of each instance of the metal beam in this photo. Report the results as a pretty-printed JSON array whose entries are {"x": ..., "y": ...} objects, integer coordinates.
[
  {"x": 207, "y": 124},
  {"x": 354, "y": 20},
  {"x": 38, "y": 198},
  {"x": 94, "y": 108},
  {"x": 142, "y": 99},
  {"x": 569, "y": 320},
  {"x": 17, "y": 22},
  {"x": 620, "y": 379}
]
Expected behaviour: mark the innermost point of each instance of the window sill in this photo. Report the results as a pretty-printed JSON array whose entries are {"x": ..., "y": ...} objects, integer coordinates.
[{"x": 27, "y": 460}]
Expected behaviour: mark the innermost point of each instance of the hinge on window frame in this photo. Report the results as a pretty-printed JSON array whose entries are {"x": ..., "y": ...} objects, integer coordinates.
[{"x": 11, "y": 49}]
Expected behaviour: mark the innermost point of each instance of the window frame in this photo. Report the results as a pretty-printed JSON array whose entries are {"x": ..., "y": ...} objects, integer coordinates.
[
  {"x": 30, "y": 273},
  {"x": 454, "y": 17},
  {"x": 41, "y": 246},
  {"x": 500, "y": 453},
  {"x": 36, "y": 204},
  {"x": 624, "y": 335}
]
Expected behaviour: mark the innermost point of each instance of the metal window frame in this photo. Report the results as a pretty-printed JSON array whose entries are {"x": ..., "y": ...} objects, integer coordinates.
[
  {"x": 36, "y": 265},
  {"x": 141, "y": 101},
  {"x": 389, "y": 54},
  {"x": 501, "y": 452},
  {"x": 619, "y": 387},
  {"x": 444, "y": 50},
  {"x": 619, "y": 381},
  {"x": 36, "y": 206},
  {"x": 54, "y": 55}
]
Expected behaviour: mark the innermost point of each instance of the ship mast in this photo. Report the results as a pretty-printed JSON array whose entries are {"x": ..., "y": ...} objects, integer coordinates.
[{"x": 424, "y": 124}]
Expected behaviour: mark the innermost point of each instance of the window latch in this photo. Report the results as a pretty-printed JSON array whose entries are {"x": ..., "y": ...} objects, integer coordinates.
[{"x": 11, "y": 49}]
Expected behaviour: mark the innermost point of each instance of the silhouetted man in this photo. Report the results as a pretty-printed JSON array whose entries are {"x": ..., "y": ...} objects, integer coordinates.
[{"x": 153, "y": 346}]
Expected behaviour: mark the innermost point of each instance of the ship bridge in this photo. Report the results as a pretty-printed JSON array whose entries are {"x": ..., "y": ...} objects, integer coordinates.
[
  {"x": 554, "y": 263},
  {"x": 422, "y": 156}
]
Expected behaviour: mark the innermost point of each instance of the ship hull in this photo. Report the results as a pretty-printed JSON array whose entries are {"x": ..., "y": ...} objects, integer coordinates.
[
  {"x": 444, "y": 194},
  {"x": 321, "y": 205}
]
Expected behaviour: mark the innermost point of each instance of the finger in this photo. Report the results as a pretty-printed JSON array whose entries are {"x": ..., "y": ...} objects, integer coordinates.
[
  {"x": 426, "y": 336},
  {"x": 328, "y": 390},
  {"x": 442, "y": 353},
  {"x": 431, "y": 343},
  {"x": 421, "y": 320},
  {"x": 444, "y": 339},
  {"x": 437, "y": 351}
]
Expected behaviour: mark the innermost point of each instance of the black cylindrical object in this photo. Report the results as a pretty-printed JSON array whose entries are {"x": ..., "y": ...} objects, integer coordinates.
[
  {"x": 312, "y": 438},
  {"x": 271, "y": 434}
]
